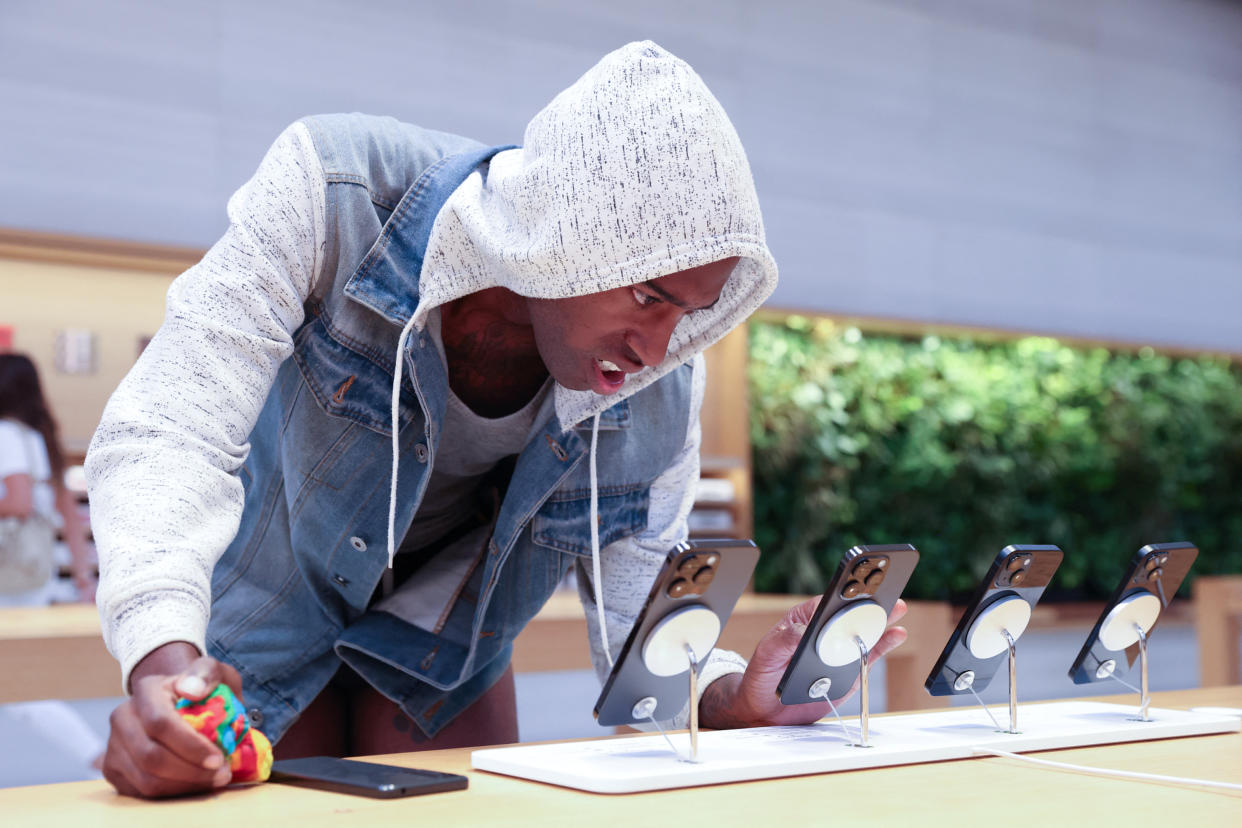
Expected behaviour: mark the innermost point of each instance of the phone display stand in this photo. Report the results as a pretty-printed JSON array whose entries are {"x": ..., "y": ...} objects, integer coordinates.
[
  {"x": 994, "y": 631},
  {"x": 1125, "y": 624},
  {"x": 671, "y": 647},
  {"x": 847, "y": 637},
  {"x": 642, "y": 763}
]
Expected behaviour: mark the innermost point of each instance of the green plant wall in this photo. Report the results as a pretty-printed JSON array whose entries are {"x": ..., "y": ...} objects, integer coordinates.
[{"x": 962, "y": 446}]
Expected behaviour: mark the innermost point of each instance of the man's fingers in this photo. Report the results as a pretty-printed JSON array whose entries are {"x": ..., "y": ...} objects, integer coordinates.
[
  {"x": 117, "y": 768},
  {"x": 230, "y": 676},
  {"x": 136, "y": 765},
  {"x": 772, "y": 655},
  {"x": 155, "y": 772},
  {"x": 124, "y": 773},
  {"x": 777, "y": 645},
  {"x": 153, "y": 704},
  {"x": 151, "y": 754},
  {"x": 192, "y": 686},
  {"x": 202, "y": 677},
  {"x": 199, "y": 679},
  {"x": 899, "y": 612},
  {"x": 158, "y": 761},
  {"x": 803, "y": 612},
  {"x": 893, "y": 638}
]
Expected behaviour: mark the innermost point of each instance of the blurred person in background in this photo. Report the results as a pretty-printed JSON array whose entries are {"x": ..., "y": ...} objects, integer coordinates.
[{"x": 34, "y": 502}]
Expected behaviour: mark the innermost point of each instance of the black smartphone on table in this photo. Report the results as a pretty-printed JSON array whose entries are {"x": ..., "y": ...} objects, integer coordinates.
[
  {"x": 867, "y": 576},
  {"x": 349, "y": 776},
  {"x": 694, "y": 593},
  {"x": 1021, "y": 571},
  {"x": 1156, "y": 570}
]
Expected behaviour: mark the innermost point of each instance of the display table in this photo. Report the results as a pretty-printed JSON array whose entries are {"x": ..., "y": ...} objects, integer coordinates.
[{"x": 966, "y": 792}]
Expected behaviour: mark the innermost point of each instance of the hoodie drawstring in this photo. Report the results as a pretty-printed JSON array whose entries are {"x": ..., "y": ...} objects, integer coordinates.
[
  {"x": 396, "y": 439},
  {"x": 595, "y": 565},
  {"x": 392, "y": 492}
]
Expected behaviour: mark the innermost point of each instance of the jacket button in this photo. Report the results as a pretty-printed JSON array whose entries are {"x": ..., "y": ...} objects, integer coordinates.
[
  {"x": 256, "y": 717},
  {"x": 358, "y": 543},
  {"x": 420, "y": 452},
  {"x": 341, "y": 579}
]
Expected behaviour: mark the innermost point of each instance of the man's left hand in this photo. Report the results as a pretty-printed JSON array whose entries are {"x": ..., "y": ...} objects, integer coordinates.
[{"x": 749, "y": 699}]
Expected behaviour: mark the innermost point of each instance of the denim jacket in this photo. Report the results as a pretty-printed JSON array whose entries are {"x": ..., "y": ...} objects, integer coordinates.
[{"x": 290, "y": 594}]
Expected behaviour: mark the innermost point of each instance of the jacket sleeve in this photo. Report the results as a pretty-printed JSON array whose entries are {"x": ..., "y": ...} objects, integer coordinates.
[
  {"x": 629, "y": 566},
  {"x": 162, "y": 467}
]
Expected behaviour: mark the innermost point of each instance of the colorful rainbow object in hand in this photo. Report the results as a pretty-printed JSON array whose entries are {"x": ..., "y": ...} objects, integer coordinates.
[{"x": 222, "y": 719}]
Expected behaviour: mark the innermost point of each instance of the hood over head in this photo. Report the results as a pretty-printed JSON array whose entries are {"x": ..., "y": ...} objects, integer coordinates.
[{"x": 632, "y": 173}]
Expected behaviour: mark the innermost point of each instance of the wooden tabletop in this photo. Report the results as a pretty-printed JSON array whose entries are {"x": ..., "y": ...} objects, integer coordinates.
[{"x": 983, "y": 791}]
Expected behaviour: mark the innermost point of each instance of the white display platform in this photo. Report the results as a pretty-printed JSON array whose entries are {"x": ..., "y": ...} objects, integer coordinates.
[{"x": 645, "y": 763}]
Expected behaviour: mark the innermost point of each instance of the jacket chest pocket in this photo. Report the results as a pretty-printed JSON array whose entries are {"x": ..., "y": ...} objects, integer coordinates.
[
  {"x": 338, "y": 415},
  {"x": 564, "y": 523},
  {"x": 346, "y": 383}
]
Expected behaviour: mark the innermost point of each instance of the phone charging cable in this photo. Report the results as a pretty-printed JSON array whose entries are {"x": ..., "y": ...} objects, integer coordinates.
[{"x": 1177, "y": 780}]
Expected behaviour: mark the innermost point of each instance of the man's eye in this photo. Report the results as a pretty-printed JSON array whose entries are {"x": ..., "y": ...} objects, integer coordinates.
[{"x": 643, "y": 299}]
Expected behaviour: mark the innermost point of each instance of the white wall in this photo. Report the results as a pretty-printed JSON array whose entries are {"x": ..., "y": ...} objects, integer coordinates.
[{"x": 1067, "y": 166}]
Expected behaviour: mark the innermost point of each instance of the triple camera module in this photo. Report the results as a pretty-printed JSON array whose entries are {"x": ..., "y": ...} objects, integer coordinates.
[
  {"x": 1153, "y": 568},
  {"x": 694, "y": 573},
  {"x": 865, "y": 577},
  {"x": 1013, "y": 572}
]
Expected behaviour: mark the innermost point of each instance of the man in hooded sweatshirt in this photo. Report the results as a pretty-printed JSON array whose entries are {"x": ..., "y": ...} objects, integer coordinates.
[{"x": 415, "y": 382}]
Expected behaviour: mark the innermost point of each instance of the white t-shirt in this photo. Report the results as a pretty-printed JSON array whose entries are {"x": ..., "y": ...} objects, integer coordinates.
[{"x": 22, "y": 452}]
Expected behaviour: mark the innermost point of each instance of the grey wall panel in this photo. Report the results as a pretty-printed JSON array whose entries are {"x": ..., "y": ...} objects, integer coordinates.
[{"x": 1068, "y": 166}]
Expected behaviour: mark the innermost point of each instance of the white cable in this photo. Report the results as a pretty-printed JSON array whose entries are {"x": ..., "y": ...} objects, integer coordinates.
[
  {"x": 396, "y": 440},
  {"x": 848, "y": 736},
  {"x": 1125, "y": 683},
  {"x": 671, "y": 747},
  {"x": 595, "y": 564},
  {"x": 985, "y": 708},
  {"x": 1218, "y": 711},
  {"x": 1143, "y": 700},
  {"x": 1178, "y": 780}
]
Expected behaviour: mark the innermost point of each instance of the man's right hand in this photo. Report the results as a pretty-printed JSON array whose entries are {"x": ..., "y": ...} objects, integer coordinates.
[{"x": 152, "y": 752}]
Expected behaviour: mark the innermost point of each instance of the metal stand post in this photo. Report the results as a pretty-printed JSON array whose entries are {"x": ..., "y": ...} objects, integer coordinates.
[
  {"x": 864, "y": 705},
  {"x": 1013, "y": 681},
  {"x": 694, "y": 704},
  {"x": 1144, "y": 698}
]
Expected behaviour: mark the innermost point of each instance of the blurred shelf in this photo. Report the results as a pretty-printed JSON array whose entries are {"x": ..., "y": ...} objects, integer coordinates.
[{"x": 723, "y": 506}]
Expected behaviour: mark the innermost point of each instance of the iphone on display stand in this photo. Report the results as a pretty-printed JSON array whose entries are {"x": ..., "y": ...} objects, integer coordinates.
[
  {"x": 860, "y": 596},
  {"x": 1001, "y": 606},
  {"x": 692, "y": 597},
  {"x": 1147, "y": 587}
]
